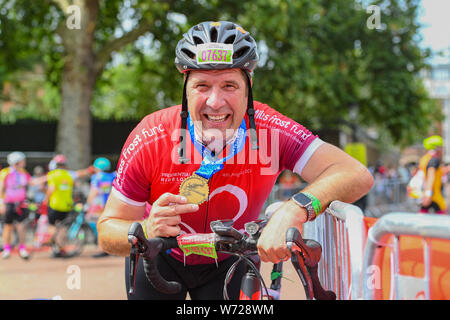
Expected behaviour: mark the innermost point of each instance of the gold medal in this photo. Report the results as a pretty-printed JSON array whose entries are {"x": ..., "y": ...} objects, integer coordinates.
[{"x": 195, "y": 189}]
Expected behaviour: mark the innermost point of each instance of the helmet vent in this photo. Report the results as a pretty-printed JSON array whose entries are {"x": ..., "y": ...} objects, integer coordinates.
[
  {"x": 239, "y": 53},
  {"x": 213, "y": 35},
  {"x": 189, "y": 53},
  {"x": 197, "y": 40},
  {"x": 230, "y": 39}
]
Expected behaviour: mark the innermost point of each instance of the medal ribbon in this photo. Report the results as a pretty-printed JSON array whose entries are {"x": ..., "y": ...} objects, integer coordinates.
[{"x": 209, "y": 166}]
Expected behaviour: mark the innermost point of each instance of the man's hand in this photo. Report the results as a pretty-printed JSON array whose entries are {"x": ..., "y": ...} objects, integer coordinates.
[
  {"x": 165, "y": 215},
  {"x": 272, "y": 242}
]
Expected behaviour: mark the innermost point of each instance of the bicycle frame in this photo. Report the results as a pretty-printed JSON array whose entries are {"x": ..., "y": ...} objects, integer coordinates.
[
  {"x": 77, "y": 224},
  {"x": 251, "y": 289}
]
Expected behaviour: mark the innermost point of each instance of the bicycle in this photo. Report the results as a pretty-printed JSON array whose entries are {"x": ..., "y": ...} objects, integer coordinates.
[
  {"x": 29, "y": 223},
  {"x": 224, "y": 238},
  {"x": 74, "y": 232}
]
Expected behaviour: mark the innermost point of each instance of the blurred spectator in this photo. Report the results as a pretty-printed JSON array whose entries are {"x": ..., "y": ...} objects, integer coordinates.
[
  {"x": 36, "y": 193},
  {"x": 380, "y": 169},
  {"x": 101, "y": 184},
  {"x": 288, "y": 182},
  {"x": 431, "y": 163},
  {"x": 403, "y": 174}
]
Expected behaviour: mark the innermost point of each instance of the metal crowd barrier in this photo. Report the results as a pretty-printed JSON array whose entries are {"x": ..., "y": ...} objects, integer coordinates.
[
  {"x": 363, "y": 257},
  {"x": 386, "y": 232},
  {"x": 342, "y": 233}
]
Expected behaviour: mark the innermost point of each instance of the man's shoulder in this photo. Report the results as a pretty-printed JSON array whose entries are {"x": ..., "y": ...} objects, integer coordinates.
[
  {"x": 265, "y": 113},
  {"x": 262, "y": 106},
  {"x": 58, "y": 173},
  {"x": 165, "y": 116}
]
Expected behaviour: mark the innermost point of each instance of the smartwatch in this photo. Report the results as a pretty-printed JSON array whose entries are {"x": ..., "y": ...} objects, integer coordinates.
[{"x": 305, "y": 202}]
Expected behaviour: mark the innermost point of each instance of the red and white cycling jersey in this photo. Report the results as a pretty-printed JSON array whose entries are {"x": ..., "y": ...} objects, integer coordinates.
[{"x": 149, "y": 167}]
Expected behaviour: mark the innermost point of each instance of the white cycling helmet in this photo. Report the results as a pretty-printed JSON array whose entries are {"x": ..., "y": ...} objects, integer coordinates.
[{"x": 15, "y": 157}]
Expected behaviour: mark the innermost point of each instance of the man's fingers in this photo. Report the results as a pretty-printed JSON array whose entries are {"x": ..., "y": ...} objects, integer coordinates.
[
  {"x": 168, "y": 220},
  {"x": 263, "y": 256},
  {"x": 273, "y": 254},
  {"x": 169, "y": 231},
  {"x": 174, "y": 209},
  {"x": 170, "y": 198}
]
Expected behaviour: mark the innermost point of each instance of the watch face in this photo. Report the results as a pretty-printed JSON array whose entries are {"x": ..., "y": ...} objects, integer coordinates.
[{"x": 302, "y": 199}]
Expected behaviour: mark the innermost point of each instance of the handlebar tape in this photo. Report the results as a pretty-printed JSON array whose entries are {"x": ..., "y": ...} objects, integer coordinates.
[
  {"x": 149, "y": 248},
  {"x": 155, "y": 245}
]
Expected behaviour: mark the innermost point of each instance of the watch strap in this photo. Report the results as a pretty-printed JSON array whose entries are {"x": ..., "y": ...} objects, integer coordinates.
[
  {"x": 308, "y": 206},
  {"x": 315, "y": 203}
]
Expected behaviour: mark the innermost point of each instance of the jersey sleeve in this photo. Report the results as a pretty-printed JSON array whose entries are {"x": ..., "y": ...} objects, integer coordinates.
[
  {"x": 295, "y": 143},
  {"x": 133, "y": 176},
  {"x": 95, "y": 179}
]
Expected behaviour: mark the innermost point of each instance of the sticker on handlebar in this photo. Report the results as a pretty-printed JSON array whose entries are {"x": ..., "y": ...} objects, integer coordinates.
[{"x": 199, "y": 243}]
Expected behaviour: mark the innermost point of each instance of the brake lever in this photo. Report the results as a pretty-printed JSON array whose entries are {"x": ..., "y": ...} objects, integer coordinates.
[
  {"x": 302, "y": 271},
  {"x": 134, "y": 259},
  {"x": 136, "y": 238}
]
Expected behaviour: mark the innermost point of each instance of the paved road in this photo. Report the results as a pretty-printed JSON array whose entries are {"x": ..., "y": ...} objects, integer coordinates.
[{"x": 87, "y": 278}]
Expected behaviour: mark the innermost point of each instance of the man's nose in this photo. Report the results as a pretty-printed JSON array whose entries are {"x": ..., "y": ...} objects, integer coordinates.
[{"x": 215, "y": 99}]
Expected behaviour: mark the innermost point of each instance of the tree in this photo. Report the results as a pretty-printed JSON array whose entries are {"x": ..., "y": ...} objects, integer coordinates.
[
  {"x": 319, "y": 60},
  {"x": 76, "y": 40},
  {"x": 323, "y": 60}
]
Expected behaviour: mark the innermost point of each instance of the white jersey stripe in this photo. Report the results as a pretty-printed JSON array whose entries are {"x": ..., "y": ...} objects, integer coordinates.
[
  {"x": 298, "y": 168},
  {"x": 125, "y": 199}
]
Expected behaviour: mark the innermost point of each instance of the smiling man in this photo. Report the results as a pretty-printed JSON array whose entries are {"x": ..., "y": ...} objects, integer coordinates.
[
  {"x": 217, "y": 156},
  {"x": 217, "y": 101}
]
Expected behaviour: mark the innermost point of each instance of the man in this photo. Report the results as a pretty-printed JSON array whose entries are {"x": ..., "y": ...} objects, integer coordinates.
[
  {"x": 101, "y": 184},
  {"x": 13, "y": 193},
  {"x": 59, "y": 196},
  {"x": 222, "y": 164},
  {"x": 430, "y": 163}
]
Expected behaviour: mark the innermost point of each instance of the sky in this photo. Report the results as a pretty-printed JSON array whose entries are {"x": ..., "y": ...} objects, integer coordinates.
[{"x": 435, "y": 18}]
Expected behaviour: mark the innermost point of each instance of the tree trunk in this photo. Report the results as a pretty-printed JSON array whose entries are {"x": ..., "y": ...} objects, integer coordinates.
[{"x": 77, "y": 88}]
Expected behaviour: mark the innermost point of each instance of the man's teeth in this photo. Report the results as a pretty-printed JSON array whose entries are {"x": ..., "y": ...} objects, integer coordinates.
[{"x": 216, "y": 118}]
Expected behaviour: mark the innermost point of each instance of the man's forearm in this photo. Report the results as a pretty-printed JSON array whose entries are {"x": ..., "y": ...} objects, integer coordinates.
[
  {"x": 113, "y": 235},
  {"x": 343, "y": 183}
]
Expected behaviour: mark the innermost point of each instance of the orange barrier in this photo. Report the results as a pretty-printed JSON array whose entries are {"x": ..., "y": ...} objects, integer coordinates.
[
  {"x": 409, "y": 258},
  {"x": 412, "y": 267},
  {"x": 399, "y": 256}
]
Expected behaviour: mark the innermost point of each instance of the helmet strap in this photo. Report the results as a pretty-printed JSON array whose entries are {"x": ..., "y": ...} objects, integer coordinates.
[
  {"x": 184, "y": 115},
  {"x": 251, "y": 115}
]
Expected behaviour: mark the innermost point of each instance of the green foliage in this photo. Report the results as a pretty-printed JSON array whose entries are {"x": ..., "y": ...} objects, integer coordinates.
[{"x": 318, "y": 59}]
